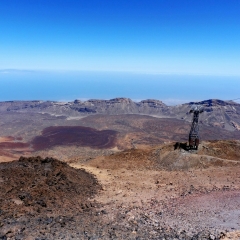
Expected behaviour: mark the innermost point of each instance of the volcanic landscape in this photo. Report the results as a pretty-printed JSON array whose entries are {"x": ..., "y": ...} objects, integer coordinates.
[{"x": 110, "y": 169}]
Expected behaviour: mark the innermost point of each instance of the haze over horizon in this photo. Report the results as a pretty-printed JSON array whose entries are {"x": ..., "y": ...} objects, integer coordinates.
[{"x": 174, "y": 51}]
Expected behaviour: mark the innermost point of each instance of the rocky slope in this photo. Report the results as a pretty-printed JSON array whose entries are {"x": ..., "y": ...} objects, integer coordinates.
[
  {"x": 133, "y": 195},
  {"x": 47, "y": 199}
]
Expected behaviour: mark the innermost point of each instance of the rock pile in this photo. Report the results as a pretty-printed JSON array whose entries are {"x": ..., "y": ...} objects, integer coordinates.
[{"x": 37, "y": 192}]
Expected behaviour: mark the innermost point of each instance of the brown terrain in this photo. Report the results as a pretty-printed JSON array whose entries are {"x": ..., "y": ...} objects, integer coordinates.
[
  {"x": 39, "y": 196},
  {"x": 119, "y": 176}
]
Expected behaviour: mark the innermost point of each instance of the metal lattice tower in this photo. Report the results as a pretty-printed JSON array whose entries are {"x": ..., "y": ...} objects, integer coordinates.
[{"x": 194, "y": 132}]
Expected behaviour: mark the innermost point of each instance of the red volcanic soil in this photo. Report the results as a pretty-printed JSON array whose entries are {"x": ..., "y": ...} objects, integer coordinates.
[
  {"x": 74, "y": 135},
  {"x": 8, "y": 148}
]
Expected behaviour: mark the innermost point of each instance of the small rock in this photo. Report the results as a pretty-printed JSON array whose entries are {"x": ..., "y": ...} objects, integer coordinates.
[{"x": 212, "y": 237}]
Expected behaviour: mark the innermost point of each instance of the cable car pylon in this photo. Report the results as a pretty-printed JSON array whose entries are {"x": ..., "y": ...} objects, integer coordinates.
[{"x": 194, "y": 131}]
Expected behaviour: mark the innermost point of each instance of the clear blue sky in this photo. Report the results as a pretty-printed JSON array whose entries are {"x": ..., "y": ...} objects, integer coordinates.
[{"x": 166, "y": 37}]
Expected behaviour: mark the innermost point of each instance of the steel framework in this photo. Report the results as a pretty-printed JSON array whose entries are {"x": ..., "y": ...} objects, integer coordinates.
[{"x": 194, "y": 132}]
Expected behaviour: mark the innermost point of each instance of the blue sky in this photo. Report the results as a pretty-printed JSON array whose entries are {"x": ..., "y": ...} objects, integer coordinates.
[{"x": 127, "y": 40}]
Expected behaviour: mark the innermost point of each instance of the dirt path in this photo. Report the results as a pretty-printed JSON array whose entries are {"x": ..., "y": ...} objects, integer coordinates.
[{"x": 187, "y": 200}]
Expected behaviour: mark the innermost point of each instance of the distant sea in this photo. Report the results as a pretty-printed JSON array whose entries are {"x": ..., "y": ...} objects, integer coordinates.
[{"x": 68, "y": 86}]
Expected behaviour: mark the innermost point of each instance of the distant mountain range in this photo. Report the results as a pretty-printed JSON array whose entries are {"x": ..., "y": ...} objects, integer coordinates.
[{"x": 217, "y": 113}]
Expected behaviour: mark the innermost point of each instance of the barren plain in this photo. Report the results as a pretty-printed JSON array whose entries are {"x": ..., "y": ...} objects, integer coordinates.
[{"x": 118, "y": 176}]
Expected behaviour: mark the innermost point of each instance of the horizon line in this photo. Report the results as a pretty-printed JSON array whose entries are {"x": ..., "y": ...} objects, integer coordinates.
[{"x": 12, "y": 70}]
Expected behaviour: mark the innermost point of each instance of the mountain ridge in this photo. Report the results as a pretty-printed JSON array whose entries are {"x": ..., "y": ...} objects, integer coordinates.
[{"x": 217, "y": 113}]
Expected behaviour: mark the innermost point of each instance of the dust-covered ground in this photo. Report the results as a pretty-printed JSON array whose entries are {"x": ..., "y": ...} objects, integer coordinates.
[
  {"x": 149, "y": 193},
  {"x": 191, "y": 192}
]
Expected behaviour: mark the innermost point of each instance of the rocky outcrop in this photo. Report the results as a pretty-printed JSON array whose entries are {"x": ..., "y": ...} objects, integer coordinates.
[{"x": 122, "y": 106}]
